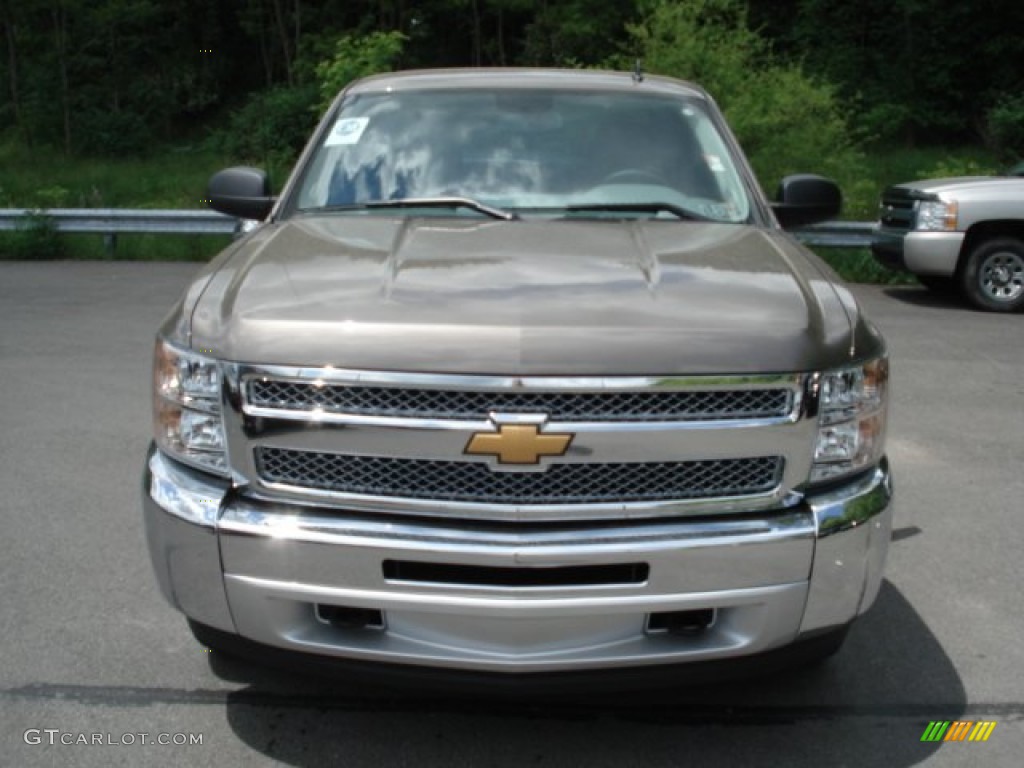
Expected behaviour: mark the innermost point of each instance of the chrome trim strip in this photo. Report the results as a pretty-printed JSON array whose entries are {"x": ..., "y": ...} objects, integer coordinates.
[
  {"x": 855, "y": 503},
  {"x": 186, "y": 495},
  {"x": 405, "y": 422},
  {"x": 649, "y": 404},
  {"x": 527, "y": 512},
  {"x": 248, "y": 519},
  {"x": 521, "y": 383}
]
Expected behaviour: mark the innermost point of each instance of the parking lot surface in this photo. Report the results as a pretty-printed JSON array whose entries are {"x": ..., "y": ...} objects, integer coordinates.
[{"x": 91, "y": 652}]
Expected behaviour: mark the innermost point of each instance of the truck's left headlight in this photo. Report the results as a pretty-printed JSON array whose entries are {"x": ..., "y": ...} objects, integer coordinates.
[
  {"x": 186, "y": 408},
  {"x": 852, "y": 404}
]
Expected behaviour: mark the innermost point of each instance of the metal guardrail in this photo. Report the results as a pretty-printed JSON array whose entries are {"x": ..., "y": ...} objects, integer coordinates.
[
  {"x": 838, "y": 234},
  {"x": 125, "y": 220},
  {"x": 111, "y": 222}
]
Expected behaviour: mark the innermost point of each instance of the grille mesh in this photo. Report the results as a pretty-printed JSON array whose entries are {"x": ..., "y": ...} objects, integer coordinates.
[
  {"x": 558, "y": 406},
  {"x": 560, "y": 484},
  {"x": 897, "y": 211}
]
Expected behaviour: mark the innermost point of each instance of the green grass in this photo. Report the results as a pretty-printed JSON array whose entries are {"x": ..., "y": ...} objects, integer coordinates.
[
  {"x": 856, "y": 265},
  {"x": 892, "y": 166},
  {"x": 173, "y": 178},
  {"x": 882, "y": 167}
]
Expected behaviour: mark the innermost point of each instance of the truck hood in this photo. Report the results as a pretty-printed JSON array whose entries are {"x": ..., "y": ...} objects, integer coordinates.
[
  {"x": 525, "y": 298},
  {"x": 958, "y": 184}
]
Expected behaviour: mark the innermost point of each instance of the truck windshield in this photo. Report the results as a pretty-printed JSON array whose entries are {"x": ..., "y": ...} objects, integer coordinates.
[{"x": 576, "y": 154}]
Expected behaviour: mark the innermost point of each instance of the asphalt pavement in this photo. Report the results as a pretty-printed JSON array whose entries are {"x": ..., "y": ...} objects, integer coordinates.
[{"x": 90, "y": 652}]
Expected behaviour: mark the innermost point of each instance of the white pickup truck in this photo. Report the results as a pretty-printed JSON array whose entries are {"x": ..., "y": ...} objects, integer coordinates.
[{"x": 964, "y": 234}]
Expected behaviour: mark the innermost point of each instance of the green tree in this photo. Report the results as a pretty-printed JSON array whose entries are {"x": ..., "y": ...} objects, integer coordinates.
[
  {"x": 786, "y": 121},
  {"x": 110, "y": 76},
  {"x": 12, "y": 23},
  {"x": 575, "y": 32},
  {"x": 356, "y": 57},
  {"x": 911, "y": 71}
]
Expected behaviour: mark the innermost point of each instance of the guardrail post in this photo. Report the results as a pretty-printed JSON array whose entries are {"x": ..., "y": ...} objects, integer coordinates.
[{"x": 110, "y": 244}]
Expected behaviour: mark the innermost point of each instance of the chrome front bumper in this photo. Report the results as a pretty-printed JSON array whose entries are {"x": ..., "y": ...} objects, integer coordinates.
[
  {"x": 921, "y": 253},
  {"x": 932, "y": 253},
  {"x": 260, "y": 570}
]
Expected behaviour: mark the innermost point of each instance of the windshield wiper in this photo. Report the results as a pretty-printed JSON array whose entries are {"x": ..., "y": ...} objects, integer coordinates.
[
  {"x": 426, "y": 202},
  {"x": 675, "y": 210}
]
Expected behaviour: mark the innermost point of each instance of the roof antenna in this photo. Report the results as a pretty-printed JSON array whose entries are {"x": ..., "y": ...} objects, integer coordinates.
[{"x": 638, "y": 72}]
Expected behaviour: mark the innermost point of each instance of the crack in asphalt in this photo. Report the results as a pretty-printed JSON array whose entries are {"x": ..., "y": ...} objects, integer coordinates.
[{"x": 653, "y": 711}]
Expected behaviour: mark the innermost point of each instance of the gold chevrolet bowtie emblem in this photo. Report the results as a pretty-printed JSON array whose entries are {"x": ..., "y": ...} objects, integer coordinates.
[{"x": 515, "y": 444}]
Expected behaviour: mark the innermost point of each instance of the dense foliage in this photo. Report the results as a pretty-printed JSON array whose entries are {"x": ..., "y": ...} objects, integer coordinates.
[
  {"x": 785, "y": 120},
  {"x": 799, "y": 78},
  {"x": 911, "y": 70}
]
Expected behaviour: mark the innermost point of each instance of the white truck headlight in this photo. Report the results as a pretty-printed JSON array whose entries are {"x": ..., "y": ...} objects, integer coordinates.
[
  {"x": 187, "y": 420},
  {"x": 852, "y": 406},
  {"x": 937, "y": 215}
]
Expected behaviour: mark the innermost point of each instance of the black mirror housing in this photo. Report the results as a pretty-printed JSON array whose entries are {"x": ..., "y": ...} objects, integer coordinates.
[
  {"x": 805, "y": 198},
  {"x": 240, "y": 191}
]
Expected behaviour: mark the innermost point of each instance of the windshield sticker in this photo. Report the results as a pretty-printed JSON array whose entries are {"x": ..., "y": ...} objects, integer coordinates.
[
  {"x": 347, "y": 130},
  {"x": 721, "y": 211},
  {"x": 715, "y": 163}
]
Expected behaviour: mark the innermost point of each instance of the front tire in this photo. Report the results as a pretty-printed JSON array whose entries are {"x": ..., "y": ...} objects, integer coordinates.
[{"x": 993, "y": 276}]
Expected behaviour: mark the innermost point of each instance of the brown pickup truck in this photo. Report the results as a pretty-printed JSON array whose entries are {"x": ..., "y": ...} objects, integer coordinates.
[{"x": 520, "y": 374}]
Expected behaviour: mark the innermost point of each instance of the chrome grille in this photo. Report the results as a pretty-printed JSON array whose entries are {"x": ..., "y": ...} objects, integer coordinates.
[
  {"x": 560, "y": 484},
  {"x": 689, "y": 405},
  {"x": 897, "y": 209}
]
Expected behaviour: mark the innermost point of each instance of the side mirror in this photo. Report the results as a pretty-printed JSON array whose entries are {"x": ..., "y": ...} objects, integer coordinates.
[
  {"x": 240, "y": 191},
  {"x": 806, "y": 199}
]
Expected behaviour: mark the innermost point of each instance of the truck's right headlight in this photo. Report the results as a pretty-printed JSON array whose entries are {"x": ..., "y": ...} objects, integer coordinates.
[
  {"x": 937, "y": 215},
  {"x": 852, "y": 405},
  {"x": 186, "y": 408}
]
